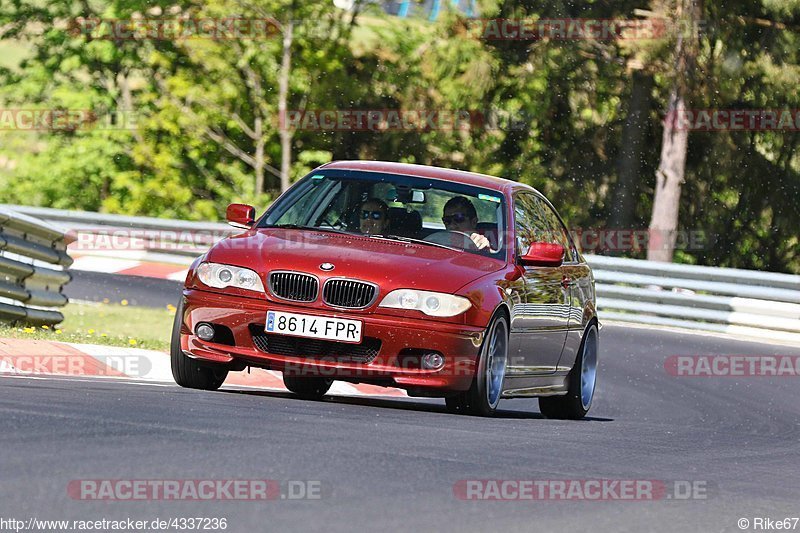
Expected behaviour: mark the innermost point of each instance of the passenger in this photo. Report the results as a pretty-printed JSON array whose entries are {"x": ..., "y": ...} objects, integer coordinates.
[
  {"x": 460, "y": 215},
  {"x": 374, "y": 217}
]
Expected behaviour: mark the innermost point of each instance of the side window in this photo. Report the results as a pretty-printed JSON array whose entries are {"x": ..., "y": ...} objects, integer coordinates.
[
  {"x": 537, "y": 222},
  {"x": 557, "y": 230},
  {"x": 526, "y": 227}
]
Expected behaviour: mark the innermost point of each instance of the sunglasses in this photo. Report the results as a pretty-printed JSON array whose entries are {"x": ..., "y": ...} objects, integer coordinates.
[
  {"x": 374, "y": 215},
  {"x": 456, "y": 218}
]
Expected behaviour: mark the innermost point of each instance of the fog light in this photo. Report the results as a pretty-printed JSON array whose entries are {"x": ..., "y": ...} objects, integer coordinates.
[
  {"x": 432, "y": 361},
  {"x": 204, "y": 331}
]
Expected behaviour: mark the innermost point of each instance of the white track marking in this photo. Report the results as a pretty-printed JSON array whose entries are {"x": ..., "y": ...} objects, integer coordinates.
[
  {"x": 151, "y": 366},
  {"x": 105, "y": 265},
  {"x": 178, "y": 276},
  {"x": 136, "y": 363}
]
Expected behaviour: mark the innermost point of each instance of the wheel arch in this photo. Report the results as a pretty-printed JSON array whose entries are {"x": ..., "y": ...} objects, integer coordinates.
[
  {"x": 503, "y": 308},
  {"x": 594, "y": 320},
  {"x": 589, "y": 314}
]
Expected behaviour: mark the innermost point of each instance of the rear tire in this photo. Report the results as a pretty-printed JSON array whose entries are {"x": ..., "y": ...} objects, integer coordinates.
[
  {"x": 188, "y": 372},
  {"x": 308, "y": 388},
  {"x": 483, "y": 396},
  {"x": 582, "y": 380}
]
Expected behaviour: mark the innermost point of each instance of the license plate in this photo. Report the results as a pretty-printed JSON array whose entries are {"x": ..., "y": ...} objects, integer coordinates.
[{"x": 314, "y": 327}]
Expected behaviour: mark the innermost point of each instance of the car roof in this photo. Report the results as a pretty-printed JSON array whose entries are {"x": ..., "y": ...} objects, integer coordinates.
[{"x": 424, "y": 171}]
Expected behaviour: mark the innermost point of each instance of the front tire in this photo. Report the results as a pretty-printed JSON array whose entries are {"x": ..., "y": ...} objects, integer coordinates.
[
  {"x": 308, "y": 388},
  {"x": 483, "y": 396},
  {"x": 582, "y": 380},
  {"x": 186, "y": 371}
]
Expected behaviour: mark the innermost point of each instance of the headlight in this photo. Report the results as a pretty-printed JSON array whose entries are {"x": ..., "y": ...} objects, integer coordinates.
[
  {"x": 430, "y": 303},
  {"x": 221, "y": 276}
]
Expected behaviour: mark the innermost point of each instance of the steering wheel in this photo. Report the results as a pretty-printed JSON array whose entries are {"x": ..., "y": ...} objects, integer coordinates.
[
  {"x": 339, "y": 224},
  {"x": 458, "y": 239},
  {"x": 446, "y": 237}
]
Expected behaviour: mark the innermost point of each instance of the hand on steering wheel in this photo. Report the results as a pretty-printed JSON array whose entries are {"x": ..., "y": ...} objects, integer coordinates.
[
  {"x": 336, "y": 225},
  {"x": 472, "y": 241}
]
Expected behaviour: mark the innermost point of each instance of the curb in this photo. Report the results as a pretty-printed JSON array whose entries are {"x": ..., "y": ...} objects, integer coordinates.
[
  {"x": 21, "y": 357},
  {"x": 130, "y": 267}
]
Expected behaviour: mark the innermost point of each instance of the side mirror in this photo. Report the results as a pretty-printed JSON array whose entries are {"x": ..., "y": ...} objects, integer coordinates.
[
  {"x": 241, "y": 215},
  {"x": 543, "y": 254}
]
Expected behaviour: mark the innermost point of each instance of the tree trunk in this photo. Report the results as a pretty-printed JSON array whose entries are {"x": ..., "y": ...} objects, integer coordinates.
[
  {"x": 629, "y": 163},
  {"x": 125, "y": 97},
  {"x": 669, "y": 179},
  {"x": 283, "y": 95},
  {"x": 674, "y": 142},
  {"x": 259, "y": 155}
]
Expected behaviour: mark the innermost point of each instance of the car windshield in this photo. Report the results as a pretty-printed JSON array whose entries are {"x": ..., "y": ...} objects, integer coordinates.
[{"x": 390, "y": 206}]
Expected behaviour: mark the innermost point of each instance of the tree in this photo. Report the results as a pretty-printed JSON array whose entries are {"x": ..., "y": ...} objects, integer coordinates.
[
  {"x": 675, "y": 139},
  {"x": 576, "y": 118},
  {"x": 631, "y": 150}
]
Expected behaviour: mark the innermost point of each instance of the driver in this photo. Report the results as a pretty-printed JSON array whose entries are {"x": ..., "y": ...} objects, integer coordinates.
[
  {"x": 373, "y": 217},
  {"x": 460, "y": 215}
]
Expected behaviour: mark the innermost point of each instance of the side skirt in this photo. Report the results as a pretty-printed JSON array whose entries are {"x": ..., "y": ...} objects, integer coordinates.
[{"x": 526, "y": 386}]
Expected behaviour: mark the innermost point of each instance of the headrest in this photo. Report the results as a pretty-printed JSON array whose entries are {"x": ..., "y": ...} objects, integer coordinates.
[{"x": 405, "y": 223}]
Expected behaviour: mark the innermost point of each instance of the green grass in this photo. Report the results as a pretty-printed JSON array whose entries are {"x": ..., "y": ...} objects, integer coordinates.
[{"x": 106, "y": 324}]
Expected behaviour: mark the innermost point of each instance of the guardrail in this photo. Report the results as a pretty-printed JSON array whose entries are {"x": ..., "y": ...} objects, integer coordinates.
[
  {"x": 33, "y": 270},
  {"x": 79, "y": 219},
  {"x": 726, "y": 300},
  {"x": 121, "y": 236}
]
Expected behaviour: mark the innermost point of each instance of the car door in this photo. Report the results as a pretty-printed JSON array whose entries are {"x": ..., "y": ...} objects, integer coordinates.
[
  {"x": 540, "y": 301},
  {"x": 576, "y": 276}
]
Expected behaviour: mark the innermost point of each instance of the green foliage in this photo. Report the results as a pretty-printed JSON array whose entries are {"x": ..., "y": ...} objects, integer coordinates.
[{"x": 561, "y": 107}]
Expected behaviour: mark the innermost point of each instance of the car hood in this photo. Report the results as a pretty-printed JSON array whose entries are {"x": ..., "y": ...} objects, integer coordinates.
[{"x": 391, "y": 264}]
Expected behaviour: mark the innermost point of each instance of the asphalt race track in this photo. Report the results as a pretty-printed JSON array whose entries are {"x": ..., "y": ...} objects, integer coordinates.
[
  {"x": 137, "y": 290},
  {"x": 392, "y": 464}
]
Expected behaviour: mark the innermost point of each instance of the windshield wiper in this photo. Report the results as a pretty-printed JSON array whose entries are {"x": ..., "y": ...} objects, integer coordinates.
[
  {"x": 374, "y": 235},
  {"x": 312, "y": 228},
  {"x": 416, "y": 241}
]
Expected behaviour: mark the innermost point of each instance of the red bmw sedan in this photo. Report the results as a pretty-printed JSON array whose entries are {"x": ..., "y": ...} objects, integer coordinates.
[{"x": 441, "y": 282}]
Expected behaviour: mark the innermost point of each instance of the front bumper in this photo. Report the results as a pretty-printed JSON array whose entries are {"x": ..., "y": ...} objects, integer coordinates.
[{"x": 398, "y": 337}]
